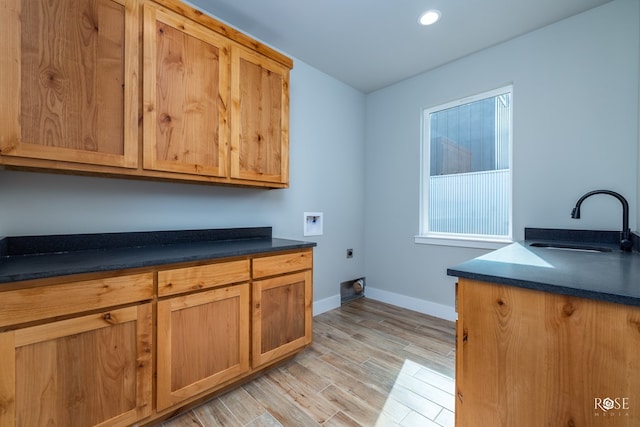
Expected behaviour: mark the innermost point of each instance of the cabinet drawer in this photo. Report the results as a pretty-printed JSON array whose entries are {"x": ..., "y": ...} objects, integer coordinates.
[
  {"x": 179, "y": 280},
  {"x": 37, "y": 303},
  {"x": 285, "y": 263}
]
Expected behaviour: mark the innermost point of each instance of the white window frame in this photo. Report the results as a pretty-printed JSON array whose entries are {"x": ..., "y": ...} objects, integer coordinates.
[{"x": 455, "y": 239}]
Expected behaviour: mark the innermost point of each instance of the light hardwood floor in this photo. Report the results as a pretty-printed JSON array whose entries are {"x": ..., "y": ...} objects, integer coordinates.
[{"x": 371, "y": 364}]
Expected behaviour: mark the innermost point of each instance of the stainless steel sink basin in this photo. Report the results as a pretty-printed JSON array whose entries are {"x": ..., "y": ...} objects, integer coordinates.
[{"x": 571, "y": 247}]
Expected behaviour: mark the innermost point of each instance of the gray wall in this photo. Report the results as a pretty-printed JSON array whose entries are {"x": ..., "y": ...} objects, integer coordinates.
[
  {"x": 327, "y": 174},
  {"x": 576, "y": 124},
  {"x": 575, "y": 97}
]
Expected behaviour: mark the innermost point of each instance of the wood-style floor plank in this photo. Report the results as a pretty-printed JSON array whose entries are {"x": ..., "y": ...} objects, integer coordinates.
[
  {"x": 370, "y": 364},
  {"x": 242, "y": 405},
  {"x": 216, "y": 414},
  {"x": 305, "y": 396}
]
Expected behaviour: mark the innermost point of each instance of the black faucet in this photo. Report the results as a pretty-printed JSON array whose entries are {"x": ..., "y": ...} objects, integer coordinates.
[{"x": 625, "y": 236}]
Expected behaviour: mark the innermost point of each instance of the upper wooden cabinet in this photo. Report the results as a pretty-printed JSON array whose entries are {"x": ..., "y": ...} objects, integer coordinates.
[
  {"x": 68, "y": 91},
  {"x": 260, "y": 118},
  {"x": 140, "y": 88},
  {"x": 186, "y": 95}
]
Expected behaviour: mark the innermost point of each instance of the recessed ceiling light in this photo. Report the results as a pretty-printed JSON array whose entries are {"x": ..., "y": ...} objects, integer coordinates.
[{"x": 429, "y": 17}]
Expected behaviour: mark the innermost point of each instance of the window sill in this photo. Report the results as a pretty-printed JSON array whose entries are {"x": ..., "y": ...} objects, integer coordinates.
[{"x": 462, "y": 242}]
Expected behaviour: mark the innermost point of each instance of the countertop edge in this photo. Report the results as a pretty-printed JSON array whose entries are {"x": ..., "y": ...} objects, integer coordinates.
[
  {"x": 606, "y": 277},
  {"x": 19, "y": 268},
  {"x": 546, "y": 287}
]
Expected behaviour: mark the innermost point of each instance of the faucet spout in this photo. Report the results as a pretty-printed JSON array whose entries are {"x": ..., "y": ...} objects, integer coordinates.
[{"x": 625, "y": 235}]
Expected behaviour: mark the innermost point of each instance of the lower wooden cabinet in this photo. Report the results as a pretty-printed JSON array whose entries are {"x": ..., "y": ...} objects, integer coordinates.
[
  {"x": 85, "y": 352},
  {"x": 85, "y": 371},
  {"x": 203, "y": 341},
  {"x": 282, "y": 316},
  {"x": 533, "y": 358}
]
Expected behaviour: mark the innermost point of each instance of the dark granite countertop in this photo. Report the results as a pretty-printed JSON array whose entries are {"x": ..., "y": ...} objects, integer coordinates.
[
  {"x": 608, "y": 276},
  {"x": 37, "y": 257}
]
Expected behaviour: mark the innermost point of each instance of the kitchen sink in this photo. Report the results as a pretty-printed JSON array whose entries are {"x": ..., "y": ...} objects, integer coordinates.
[{"x": 571, "y": 247}]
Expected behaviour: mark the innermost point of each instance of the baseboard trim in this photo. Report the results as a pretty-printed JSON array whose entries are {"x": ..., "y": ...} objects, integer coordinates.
[
  {"x": 410, "y": 303},
  {"x": 326, "y": 304},
  {"x": 421, "y": 306}
]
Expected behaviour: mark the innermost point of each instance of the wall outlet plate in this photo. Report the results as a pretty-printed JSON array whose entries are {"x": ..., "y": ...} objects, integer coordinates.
[{"x": 313, "y": 224}]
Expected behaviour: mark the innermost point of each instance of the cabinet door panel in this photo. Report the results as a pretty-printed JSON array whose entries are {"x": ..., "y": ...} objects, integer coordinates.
[
  {"x": 527, "y": 357},
  {"x": 186, "y": 94},
  {"x": 91, "y": 370},
  {"x": 282, "y": 316},
  {"x": 70, "y": 92},
  {"x": 203, "y": 340},
  {"x": 260, "y": 118}
]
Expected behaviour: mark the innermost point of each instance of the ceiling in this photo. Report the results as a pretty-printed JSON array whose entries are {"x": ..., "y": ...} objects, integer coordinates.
[{"x": 370, "y": 44}]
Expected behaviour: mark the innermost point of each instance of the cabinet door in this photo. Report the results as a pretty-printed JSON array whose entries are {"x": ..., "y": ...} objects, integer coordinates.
[
  {"x": 70, "y": 80},
  {"x": 260, "y": 118},
  {"x": 282, "y": 316},
  {"x": 533, "y": 358},
  {"x": 186, "y": 93},
  {"x": 85, "y": 371},
  {"x": 203, "y": 341}
]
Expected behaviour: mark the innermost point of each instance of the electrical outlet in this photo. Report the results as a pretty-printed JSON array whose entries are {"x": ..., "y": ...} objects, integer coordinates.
[{"x": 349, "y": 253}]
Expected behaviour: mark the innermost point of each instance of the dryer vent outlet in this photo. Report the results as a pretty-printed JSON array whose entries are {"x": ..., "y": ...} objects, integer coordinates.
[{"x": 352, "y": 289}]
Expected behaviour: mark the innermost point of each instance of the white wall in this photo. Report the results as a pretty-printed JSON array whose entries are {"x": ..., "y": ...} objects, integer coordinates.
[
  {"x": 575, "y": 129},
  {"x": 326, "y": 174}
]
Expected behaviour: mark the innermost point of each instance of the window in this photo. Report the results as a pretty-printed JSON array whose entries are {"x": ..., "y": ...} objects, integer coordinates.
[{"x": 466, "y": 170}]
